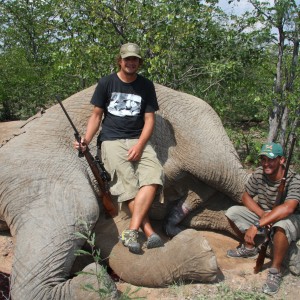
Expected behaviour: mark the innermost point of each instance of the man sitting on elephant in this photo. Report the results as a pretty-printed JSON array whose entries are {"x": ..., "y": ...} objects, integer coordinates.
[
  {"x": 284, "y": 218},
  {"x": 128, "y": 102}
]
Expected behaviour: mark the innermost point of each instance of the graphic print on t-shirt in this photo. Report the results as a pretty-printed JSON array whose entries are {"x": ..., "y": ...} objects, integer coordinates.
[{"x": 122, "y": 104}]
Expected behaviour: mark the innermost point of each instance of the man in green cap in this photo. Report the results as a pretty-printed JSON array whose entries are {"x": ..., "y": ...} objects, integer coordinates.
[
  {"x": 127, "y": 102},
  {"x": 248, "y": 220}
]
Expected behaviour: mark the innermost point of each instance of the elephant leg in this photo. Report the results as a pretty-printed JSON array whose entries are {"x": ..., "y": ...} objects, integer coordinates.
[
  {"x": 185, "y": 206},
  {"x": 195, "y": 261},
  {"x": 94, "y": 276},
  {"x": 47, "y": 276},
  {"x": 211, "y": 215},
  {"x": 46, "y": 242},
  {"x": 176, "y": 215}
]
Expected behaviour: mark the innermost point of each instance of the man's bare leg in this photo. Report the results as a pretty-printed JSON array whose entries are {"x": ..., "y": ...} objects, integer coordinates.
[
  {"x": 280, "y": 248},
  {"x": 240, "y": 235},
  {"x": 139, "y": 208}
]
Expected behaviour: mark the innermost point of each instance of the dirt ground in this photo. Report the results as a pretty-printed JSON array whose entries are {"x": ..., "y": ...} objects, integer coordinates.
[{"x": 235, "y": 275}]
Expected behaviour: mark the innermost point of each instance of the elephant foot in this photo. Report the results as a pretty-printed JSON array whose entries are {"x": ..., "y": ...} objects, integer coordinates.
[
  {"x": 92, "y": 283},
  {"x": 176, "y": 215},
  {"x": 171, "y": 230}
]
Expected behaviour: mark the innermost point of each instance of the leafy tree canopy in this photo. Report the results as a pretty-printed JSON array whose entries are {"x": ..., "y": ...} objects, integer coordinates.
[{"x": 50, "y": 47}]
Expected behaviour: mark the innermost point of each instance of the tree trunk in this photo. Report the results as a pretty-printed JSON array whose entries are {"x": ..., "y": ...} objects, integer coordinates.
[
  {"x": 280, "y": 122},
  {"x": 276, "y": 112}
]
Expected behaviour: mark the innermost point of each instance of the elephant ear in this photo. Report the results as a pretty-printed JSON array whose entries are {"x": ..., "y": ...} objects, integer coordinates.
[{"x": 8, "y": 130}]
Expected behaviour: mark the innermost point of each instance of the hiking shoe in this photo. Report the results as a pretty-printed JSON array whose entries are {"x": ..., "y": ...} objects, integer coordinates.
[
  {"x": 129, "y": 238},
  {"x": 154, "y": 241},
  {"x": 242, "y": 252},
  {"x": 272, "y": 284}
]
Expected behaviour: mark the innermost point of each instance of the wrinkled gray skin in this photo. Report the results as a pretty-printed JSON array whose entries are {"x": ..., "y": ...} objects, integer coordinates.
[{"x": 45, "y": 189}]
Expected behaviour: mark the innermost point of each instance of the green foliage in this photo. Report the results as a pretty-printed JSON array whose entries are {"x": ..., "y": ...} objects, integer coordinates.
[
  {"x": 225, "y": 292},
  {"x": 105, "y": 287},
  {"x": 60, "y": 47},
  {"x": 247, "y": 140},
  {"x": 217, "y": 292},
  {"x": 129, "y": 294}
]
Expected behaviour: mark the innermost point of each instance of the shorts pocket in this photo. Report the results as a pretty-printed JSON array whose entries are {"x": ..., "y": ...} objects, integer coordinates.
[{"x": 116, "y": 186}]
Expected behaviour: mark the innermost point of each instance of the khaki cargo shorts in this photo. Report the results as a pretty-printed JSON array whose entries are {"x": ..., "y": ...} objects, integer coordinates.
[
  {"x": 128, "y": 177},
  {"x": 244, "y": 218}
]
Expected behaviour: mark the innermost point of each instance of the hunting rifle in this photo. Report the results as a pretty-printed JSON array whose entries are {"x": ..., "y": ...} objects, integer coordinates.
[
  {"x": 279, "y": 200},
  {"x": 97, "y": 168}
]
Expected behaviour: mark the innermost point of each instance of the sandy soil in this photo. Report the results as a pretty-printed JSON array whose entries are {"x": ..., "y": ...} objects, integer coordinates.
[
  {"x": 235, "y": 274},
  {"x": 6, "y": 252}
]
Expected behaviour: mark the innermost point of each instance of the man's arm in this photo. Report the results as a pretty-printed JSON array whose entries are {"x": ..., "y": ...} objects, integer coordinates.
[
  {"x": 91, "y": 129},
  {"x": 279, "y": 212},
  {"x": 93, "y": 124},
  {"x": 136, "y": 151},
  {"x": 249, "y": 202}
]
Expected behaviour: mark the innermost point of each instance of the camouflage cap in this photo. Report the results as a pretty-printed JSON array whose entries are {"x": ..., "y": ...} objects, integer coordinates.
[{"x": 130, "y": 49}]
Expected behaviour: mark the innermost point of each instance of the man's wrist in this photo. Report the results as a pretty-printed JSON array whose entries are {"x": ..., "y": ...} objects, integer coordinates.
[
  {"x": 86, "y": 141},
  {"x": 257, "y": 225}
]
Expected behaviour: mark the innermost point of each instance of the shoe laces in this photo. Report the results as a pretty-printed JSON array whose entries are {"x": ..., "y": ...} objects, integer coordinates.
[
  {"x": 129, "y": 236},
  {"x": 244, "y": 251},
  {"x": 274, "y": 278}
]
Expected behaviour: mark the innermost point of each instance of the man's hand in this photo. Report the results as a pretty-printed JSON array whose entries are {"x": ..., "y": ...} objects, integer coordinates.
[
  {"x": 80, "y": 146},
  {"x": 135, "y": 153},
  {"x": 250, "y": 235}
]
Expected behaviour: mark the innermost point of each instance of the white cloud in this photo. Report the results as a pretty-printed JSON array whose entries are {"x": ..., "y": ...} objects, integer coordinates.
[
  {"x": 235, "y": 7},
  {"x": 239, "y": 7}
]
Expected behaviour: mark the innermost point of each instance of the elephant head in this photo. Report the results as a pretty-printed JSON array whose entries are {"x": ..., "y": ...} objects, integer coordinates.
[{"x": 45, "y": 190}]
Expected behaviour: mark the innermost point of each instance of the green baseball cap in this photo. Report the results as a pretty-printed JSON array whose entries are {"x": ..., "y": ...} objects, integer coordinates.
[
  {"x": 130, "y": 49},
  {"x": 271, "y": 150}
]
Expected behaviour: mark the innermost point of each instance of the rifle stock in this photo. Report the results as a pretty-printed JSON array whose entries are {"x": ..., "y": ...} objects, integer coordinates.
[
  {"x": 106, "y": 196},
  {"x": 279, "y": 200},
  {"x": 261, "y": 256}
]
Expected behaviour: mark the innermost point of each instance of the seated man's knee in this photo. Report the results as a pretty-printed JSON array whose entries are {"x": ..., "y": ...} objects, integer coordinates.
[
  {"x": 232, "y": 212},
  {"x": 279, "y": 230}
]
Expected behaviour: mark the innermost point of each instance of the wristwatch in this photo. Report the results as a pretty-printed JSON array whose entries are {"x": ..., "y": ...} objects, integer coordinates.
[{"x": 256, "y": 224}]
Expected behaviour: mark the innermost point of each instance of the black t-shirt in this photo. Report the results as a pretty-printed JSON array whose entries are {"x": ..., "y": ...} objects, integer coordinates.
[{"x": 124, "y": 106}]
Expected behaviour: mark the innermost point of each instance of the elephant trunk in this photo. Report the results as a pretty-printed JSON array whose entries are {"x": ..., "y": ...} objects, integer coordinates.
[
  {"x": 44, "y": 202},
  {"x": 196, "y": 143},
  {"x": 195, "y": 260}
]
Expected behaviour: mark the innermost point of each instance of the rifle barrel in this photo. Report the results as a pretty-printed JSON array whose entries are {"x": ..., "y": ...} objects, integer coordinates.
[
  {"x": 67, "y": 115},
  {"x": 287, "y": 165},
  {"x": 106, "y": 196}
]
